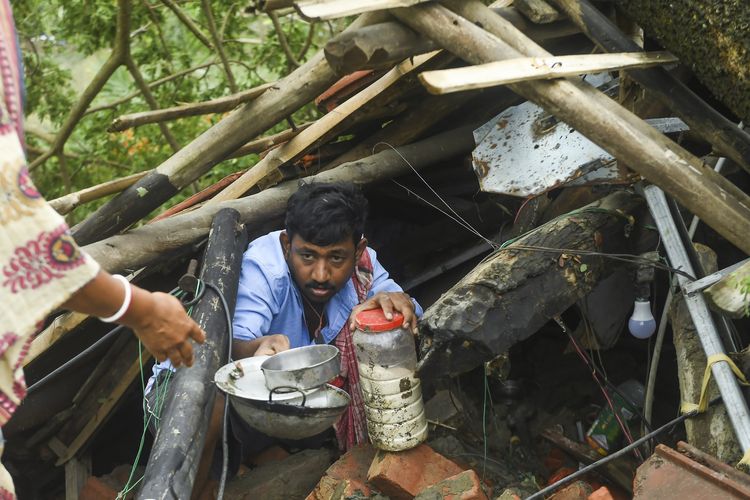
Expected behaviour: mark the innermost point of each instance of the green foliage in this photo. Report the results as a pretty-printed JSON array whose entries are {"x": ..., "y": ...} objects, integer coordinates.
[{"x": 64, "y": 42}]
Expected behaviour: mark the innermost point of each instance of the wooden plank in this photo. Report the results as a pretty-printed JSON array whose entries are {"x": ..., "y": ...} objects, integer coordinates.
[
  {"x": 536, "y": 68},
  {"x": 77, "y": 471},
  {"x": 538, "y": 11},
  {"x": 321, "y": 10},
  {"x": 101, "y": 415},
  {"x": 54, "y": 332},
  {"x": 305, "y": 139}
]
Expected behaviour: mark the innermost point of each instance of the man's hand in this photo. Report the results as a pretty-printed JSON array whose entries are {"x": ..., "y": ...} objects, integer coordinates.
[
  {"x": 163, "y": 326},
  {"x": 390, "y": 302},
  {"x": 268, "y": 345}
]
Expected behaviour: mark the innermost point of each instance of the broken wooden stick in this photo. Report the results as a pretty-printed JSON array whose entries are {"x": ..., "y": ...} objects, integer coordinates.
[
  {"x": 67, "y": 203},
  {"x": 219, "y": 105},
  {"x": 536, "y": 68},
  {"x": 305, "y": 139},
  {"x": 731, "y": 294},
  {"x": 693, "y": 183},
  {"x": 721, "y": 133},
  {"x": 538, "y": 11}
]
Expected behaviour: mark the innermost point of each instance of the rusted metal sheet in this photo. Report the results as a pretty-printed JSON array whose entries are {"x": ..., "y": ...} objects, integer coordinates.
[
  {"x": 674, "y": 475},
  {"x": 525, "y": 151}
]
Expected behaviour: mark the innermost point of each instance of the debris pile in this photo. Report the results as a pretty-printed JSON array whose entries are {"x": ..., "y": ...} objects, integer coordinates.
[{"x": 528, "y": 208}]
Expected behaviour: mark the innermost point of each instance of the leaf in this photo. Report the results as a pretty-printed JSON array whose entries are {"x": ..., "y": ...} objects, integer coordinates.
[{"x": 584, "y": 268}]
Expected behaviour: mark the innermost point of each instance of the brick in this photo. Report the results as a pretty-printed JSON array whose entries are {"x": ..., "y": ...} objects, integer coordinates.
[
  {"x": 404, "y": 474},
  {"x": 579, "y": 490},
  {"x": 602, "y": 493},
  {"x": 463, "y": 486},
  {"x": 509, "y": 494},
  {"x": 97, "y": 488},
  {"x": 347, "y": 476}
]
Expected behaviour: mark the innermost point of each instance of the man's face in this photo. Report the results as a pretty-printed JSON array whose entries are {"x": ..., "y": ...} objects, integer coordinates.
[{"x": 320, "y": 272}]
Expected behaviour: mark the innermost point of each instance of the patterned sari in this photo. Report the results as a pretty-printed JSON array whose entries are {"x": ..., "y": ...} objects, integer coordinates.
[{"x": 40, "y": 264}]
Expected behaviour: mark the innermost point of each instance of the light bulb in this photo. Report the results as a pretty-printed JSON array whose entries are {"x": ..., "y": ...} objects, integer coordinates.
[{"x": 642, "y": 323}]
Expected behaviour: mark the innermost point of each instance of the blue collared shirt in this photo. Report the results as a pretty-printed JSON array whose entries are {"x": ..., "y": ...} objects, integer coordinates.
[{"x": 269, "y": 302}]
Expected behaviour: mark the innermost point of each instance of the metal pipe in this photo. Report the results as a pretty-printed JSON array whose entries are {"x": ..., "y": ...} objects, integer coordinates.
[{"x": 701, "y": 316}]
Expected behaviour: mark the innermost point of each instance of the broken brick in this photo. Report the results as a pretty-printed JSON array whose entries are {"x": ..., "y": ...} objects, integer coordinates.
[
  {"x": 347, "y": 476},
  {"x": 576, "y": 491},
  {"x": 97, "y": 488},
  {"x": 406, "y": 473},
  {"x": 602, "y": 493},
  {"x": 463, "y": 486}
]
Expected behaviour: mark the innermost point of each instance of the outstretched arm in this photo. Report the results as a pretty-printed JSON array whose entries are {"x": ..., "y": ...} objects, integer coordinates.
[{"x": 158, "y": 319}]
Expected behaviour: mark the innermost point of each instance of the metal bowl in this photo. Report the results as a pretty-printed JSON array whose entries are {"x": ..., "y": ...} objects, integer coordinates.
[
  {"x": 297, "y": 418},
  {"x": 302, "y": 368}
]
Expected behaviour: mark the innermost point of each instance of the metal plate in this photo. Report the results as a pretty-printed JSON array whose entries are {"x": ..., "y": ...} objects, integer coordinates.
[{"x": 525, "y": 151}]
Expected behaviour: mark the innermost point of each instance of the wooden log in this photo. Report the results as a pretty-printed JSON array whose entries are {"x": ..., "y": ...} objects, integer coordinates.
[
  {"x": 219, "y": 105},
  {"x": 694, "y": 184},
  {"x": 67, "y": 203},
  {"x": 721, "y": 133},
  {"x": 148, "y": 243},
  {"x": 384, "y": 45},
  {"x": 730, "y": 294},
  {"x": 308, "y": 137},
  {"x": 538, "y": 11},
  {"x": 213, "y": 146},
  {"x": 536, "y": 68},
  {"x": 516, "y": 290},
  {"x": 174, "y": 458}
]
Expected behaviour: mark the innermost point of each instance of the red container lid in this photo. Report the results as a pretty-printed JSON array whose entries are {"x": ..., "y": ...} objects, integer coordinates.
[{"x": 374, "y": 320}]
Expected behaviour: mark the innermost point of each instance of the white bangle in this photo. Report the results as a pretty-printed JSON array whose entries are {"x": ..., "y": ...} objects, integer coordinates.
[{"x": 125, "y": 302}]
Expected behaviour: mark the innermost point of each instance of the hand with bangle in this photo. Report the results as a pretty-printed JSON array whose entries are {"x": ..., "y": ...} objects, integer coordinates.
[{"x": 158, "y": 319}]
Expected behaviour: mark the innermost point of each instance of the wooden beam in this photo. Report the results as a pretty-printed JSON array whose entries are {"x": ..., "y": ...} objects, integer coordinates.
[
  {"x": 536, "y": 68},
  {"x": 54, "y": 332},
  {"x": 694, "y": 184},
  {"x": 308, "y": 137},
  {"x": 704, "y": 120},
  {"x": 185, "y": 417},
  {"x": 214, "y": 145},
  {"x": 77, "y": 471},
  {"x": 149, "y": 243}
]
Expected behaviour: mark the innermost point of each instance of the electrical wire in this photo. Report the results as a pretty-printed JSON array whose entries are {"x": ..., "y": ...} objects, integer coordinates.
[{"x": 582, "y": 472}]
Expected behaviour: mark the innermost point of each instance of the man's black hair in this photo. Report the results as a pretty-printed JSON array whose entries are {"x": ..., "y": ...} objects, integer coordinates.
[{"x": 324, "y": 214}]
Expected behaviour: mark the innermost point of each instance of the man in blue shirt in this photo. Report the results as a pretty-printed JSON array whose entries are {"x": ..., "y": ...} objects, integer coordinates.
[{"x": 301, "y": 286}]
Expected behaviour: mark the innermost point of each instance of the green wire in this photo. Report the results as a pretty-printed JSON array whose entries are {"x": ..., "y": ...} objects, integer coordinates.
[{"x": 161, "y": 392}]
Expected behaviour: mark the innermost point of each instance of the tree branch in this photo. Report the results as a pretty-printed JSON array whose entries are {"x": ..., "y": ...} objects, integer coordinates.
[
  {"x": 189, "y": 24},
  {"x": 308, "y": 42},
  {"x": 219, "y": 46},
  {"x": 282, "y": 40},
  {"x": 151, "y": 85},
  {"x": 67, "y": 203},
  {"x": 219, "y": 105},
  {"x": 116, "y": 58},
  {"x": 143, "y": 86}
]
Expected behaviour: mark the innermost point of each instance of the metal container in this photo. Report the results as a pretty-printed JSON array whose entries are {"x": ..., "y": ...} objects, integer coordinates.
[
  {"x": 294, "y": 415},
  {"x": 302, "y": 368}
]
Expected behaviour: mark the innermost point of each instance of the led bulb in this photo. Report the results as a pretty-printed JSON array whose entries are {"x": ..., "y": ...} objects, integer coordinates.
[{"x": 642, "y": 323}]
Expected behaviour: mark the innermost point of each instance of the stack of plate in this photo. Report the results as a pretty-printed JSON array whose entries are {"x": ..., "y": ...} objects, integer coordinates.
[{"x": 291, "y": 409}]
